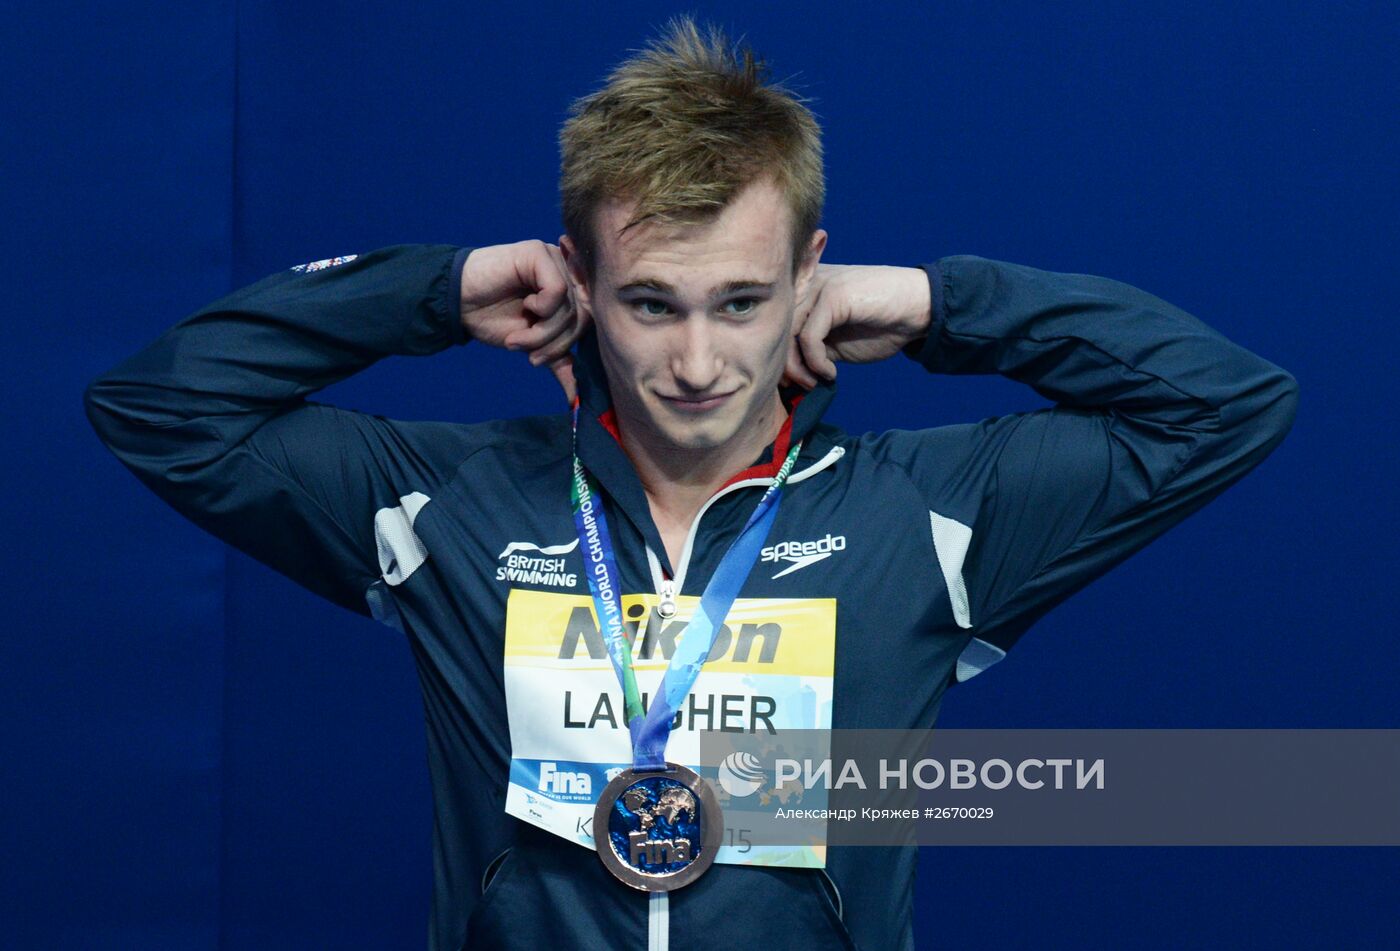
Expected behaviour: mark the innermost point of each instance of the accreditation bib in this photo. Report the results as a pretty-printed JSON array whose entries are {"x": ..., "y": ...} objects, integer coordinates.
[{"x": 769, "y": 669}]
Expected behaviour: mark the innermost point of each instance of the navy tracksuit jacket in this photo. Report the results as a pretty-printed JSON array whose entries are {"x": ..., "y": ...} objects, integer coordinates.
[{"x": 999, "y": 520}]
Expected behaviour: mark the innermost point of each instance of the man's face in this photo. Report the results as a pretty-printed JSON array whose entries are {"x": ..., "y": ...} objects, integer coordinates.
[{"x": 694, "y": 321}]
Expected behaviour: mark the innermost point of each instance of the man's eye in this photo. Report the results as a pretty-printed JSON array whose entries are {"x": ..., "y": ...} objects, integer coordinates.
[
  {"x": 646, "y": 305},
  {"x": 751, "y": 302}
]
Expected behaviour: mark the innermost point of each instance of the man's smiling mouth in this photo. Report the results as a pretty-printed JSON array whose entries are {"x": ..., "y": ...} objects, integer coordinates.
[{"x": 688, "y": 404}]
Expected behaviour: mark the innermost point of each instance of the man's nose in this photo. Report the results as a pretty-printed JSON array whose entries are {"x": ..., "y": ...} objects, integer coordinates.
[{"x": 696, "y": 362}]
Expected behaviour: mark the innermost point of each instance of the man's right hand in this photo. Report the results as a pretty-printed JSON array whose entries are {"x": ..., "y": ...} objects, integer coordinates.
[{"x": 518, "y": 296}]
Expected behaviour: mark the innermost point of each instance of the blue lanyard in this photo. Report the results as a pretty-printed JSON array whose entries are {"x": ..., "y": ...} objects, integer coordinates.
[{"x": 651, "y": 729}]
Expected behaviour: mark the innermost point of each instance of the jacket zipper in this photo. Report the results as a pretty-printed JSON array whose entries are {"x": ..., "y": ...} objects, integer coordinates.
[
  {"x": 668, "y": 588},
  {"x": 667, "y": 608},
  {"x": 658, "y": 903},
  {"x": 840, "y": 905}
]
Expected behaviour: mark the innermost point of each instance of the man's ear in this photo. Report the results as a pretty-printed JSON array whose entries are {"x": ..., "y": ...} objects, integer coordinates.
[
  {"x": 811, "y": 256},
  {"x": 578, "y": 278}
]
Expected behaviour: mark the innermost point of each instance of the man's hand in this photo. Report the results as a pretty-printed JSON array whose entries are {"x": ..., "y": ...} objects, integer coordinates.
[
  {"x": 517, "y": 296},
  {"x": 856, "y": 313}
]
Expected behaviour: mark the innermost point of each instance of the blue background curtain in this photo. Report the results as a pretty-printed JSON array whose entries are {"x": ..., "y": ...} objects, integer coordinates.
[{"x": 197, "y": 753}]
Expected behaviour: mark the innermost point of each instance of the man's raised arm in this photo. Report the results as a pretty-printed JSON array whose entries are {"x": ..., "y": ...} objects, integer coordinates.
[
  {"x": 213, "y": 415},
  {"x": 1156, "y": 414}
]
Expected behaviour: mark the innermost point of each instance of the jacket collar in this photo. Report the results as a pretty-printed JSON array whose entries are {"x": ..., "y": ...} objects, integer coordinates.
[{"x": 602, "y": 455}]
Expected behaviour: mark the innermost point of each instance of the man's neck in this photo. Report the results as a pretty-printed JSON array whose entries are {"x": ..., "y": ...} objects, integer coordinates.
[{"x": 679, "y": 482}]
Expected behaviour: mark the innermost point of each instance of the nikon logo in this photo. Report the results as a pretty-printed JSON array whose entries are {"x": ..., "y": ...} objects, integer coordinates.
[
  {"x": 753, "y": 642},
  {"x": 801, "y": 554}
]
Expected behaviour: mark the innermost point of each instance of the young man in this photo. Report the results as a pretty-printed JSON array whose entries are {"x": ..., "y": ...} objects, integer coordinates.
[{"x": 687, "y": 311}]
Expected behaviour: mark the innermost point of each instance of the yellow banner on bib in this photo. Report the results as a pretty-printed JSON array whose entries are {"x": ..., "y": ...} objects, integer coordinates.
[{"x": 782, "y": 636}]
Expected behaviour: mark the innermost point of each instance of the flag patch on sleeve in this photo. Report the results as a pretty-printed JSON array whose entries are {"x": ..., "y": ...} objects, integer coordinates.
[{"x": 324, "y": 263}]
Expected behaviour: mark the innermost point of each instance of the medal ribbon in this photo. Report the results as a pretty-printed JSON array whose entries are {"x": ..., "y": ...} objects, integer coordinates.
[{"x": 650, "y": 729}]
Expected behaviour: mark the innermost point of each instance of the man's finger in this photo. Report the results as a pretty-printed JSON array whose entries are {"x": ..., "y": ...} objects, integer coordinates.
[
  {"x": 547, "y": 275},
  {"x": 794, "y": 368},
  {"x": 556, "y": 256},
  {"x": 558, "y": 345},
  {"x": 563, "y": 369},
  {"x": 813, "y": 342},
  {"x": 552, "y": 350},
  {"x": 541, "y": 332}
]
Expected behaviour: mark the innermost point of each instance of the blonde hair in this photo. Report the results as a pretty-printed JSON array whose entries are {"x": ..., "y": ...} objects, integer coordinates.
[{"x": 681, "y": 127}]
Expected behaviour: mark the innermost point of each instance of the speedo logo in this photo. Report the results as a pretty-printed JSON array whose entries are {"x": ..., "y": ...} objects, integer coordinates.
[{"x": 801, "y": 554}]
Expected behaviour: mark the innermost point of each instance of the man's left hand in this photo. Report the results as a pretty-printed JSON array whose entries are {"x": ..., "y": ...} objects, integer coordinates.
[{"x": 857, "y": 313}]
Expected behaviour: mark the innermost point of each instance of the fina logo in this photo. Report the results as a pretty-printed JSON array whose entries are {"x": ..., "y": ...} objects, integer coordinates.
[
  {"x": 802, "y": 554},
  {"x": 740, "y": 774},
  {"x": 564, "y": 782}
]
